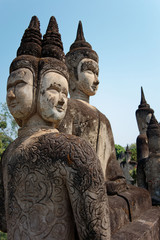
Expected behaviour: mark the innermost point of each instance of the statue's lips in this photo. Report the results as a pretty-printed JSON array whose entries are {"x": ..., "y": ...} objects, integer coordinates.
[
  {"x": 60, "y": 109},
  {"x": 13, "y": 104},
  {"x": 94, "y": 87}
]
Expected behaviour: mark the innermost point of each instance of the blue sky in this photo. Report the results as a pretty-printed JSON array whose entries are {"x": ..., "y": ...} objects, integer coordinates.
[{"x": 124, "y": 33}]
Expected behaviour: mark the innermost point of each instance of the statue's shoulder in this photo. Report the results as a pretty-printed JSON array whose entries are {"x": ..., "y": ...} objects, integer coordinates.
[
  {"x": 10, "y": 149},
  {"x": 103, "y": 118},
  {"x": 68, "y": 146},
  {"x": 81, "y": 107}
]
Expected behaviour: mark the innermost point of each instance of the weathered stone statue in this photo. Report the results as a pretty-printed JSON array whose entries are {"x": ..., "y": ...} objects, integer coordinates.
[
  {"x": 128, "y": 165},
  {"x": 152, "y": 164},
  {"x": 125, "y": 201},
  {"x": 143, "y": 116},
  {"x": 51, "y": 183},
  {"x": 84, "y": 120},
  {"x": 21, "y": 99}
]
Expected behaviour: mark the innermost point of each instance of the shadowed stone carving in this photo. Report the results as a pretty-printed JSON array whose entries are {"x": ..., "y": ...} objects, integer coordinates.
[
  {"x": 53, "y": 182},
  {"x": 143, "y": 116},
  {"x": 128, "y": 165},
  {"x": 152, "y": 165},
  {"x": 148, "y": 150}
]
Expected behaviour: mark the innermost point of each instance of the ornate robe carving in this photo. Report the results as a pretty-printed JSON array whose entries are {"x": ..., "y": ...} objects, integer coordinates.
[{"x": 54, "y": 182}]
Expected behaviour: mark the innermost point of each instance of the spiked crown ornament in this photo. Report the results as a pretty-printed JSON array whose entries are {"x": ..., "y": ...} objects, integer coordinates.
[
  {"x": 53, "y": 56},
  {"x": 31, "y": 40},
  {"x": 154, "y": 127},
  {"x": 144, "y": 106},
  {"x": 30, "y": 49},
  {"x": 28, "y": 55},
  {"x": 80, "y": 49}
]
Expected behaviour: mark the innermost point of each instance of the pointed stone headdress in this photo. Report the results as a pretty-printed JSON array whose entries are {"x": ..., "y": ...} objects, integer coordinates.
[
  {"x": 53, "y": 56},
  {"x": 31, "y": 40},
  {"x": 153, "y": 128},
  {"x": 30, "y": 49},
  {"x": 80, "y": 49},
  {"x": 28, "y": 56},
  {"x": 144, "y": 106}
]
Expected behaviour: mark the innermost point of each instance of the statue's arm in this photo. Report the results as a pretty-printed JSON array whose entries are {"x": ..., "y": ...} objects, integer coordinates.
[
  {"x": 141, "y": 177},
  {"x": 3, "y": 225},
  {"x": 115, "y": 180},
  {"x": 88, "y": 196}
]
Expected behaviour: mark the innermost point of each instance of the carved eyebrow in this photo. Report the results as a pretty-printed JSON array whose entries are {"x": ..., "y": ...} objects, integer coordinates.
[
  {"x": 54, "y": 86},
  {"x": 9, "y": 85},
  {"x": 58, "y": 88},
  {"x": 64, "y": 90},
  {"x": 90, "y": 66}
]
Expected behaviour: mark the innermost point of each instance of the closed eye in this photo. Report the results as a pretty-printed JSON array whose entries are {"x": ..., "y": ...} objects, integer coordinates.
[{"x": 15, "y": 83}]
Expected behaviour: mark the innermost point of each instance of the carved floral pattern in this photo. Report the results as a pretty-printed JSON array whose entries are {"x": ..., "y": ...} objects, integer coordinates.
[{"x": 55, "y": 183}]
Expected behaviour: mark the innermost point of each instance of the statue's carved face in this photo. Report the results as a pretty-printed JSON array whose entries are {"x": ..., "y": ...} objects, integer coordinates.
[
  {"x": 20, "y": 93},
  {"x": 52, "y": 100},
  {"x": 88, "y": 76},
  {"x": 143, "y": 121}
]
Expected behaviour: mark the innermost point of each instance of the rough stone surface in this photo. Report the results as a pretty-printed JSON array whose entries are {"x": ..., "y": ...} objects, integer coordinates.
[
  {"x": 87, "y": 122},
  {"x": 52, "y": 182},
  {"x": 147, "y": 227},
  {"x": 148, "y": 150}
]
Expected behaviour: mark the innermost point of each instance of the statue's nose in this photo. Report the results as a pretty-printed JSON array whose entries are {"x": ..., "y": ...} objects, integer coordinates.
[
  {"x": 96, "y": 81},
  {"x": 11, "y": 94},
  {"x": 61, "y": 99}
]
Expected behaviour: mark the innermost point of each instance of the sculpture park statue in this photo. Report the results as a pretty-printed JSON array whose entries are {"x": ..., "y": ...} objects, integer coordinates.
[
  {"x": 143, "y": 115},
  {"x": 148, "y": 150},
  {"x": 152, "y": 165},
  {"x": 51, "y": 183},
  {"x": 84, "y": 120}
]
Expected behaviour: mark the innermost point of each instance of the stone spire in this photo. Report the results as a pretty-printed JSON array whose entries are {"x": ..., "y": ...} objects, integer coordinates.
[
  {"x": 128, "y": 154},
  {"x": 80, "y": 34},
  {"x": 31, "y": 41},
  {"x": 153, "y": 125},
  {"x": 153, "y": 134},
  {"x": 143, "y": 103},
  {"x": 52, "y": 45},
  {"x": 80, "y": 41},
  {"x": 53, "y": 56},
  {"x": 144, "y": 106},
  {"x": 80, "y": 49}
]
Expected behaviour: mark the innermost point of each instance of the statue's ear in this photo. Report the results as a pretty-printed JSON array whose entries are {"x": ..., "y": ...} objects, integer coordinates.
[
  {"x": 72, "y": 84},
  {"x": 75, "y": 74},
  {"x": 73, "y": 77}
]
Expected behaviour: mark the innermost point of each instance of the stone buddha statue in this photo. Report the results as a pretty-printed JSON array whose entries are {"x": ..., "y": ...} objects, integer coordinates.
[
  {"x": 143, "y": 116},
  {"x": 152, "y": 164},
  {"x": 51, "y": 183},
  {"x": 22, "y": 91},
  {"x": 84, "y": 120}
]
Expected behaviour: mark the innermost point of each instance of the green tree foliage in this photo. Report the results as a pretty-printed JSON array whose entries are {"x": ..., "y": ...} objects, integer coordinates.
[
  {"x": 3, "y": 236},
  {"x": 119, "y": 151},
  {"x": 8, "y": 128},
  {"x": 120, "y": 154},
  {"x": 8, "y": 131},
  {"x": 133, "y": 150}
]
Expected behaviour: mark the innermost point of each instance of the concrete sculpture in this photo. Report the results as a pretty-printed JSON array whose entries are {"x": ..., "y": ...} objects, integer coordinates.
[
  {"x": 84, "y": 120},
  {"x": 53, "y": 185},
  {"x": 148, "y": 146}
]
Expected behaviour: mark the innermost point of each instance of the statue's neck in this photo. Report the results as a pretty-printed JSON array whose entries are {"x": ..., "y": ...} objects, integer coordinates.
[
  {"x": 35, "y": 121},
  {"x": 78, "y": 94},
  {"x": 35, "y": 124}
]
